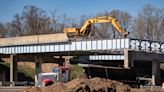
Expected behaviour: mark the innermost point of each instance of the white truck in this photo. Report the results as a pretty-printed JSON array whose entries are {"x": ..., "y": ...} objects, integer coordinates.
[{"x": 57, "y": 74}]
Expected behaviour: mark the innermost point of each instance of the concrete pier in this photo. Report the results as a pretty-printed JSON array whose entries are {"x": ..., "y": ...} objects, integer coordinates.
[
  {"x": 13, "y": 69},
  {"x": 38, "y": 62},
  {"x": 156, "y": 73}
]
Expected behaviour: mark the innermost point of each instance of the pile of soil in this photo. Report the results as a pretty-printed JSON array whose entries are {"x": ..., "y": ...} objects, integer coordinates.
[{"x": 89, "y": 85}]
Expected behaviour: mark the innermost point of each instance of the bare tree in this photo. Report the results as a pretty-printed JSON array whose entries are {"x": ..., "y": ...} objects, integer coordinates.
[
  {"x": 64, "y": 21},
  {"x": 82, "y": 19},
  {"x": 124, "y": 19},
  {"x": 35, "y": 20},
  {"x": 74, "y": 23},
  {"x": 54, "y": 21},
  {"x": 16, "y": 26},
  {"x": 107, "y": 30},
  {"x": 149, "y": 24},
  {"x": 2, "y": 30},
  {"x": 9, "y": 30}
]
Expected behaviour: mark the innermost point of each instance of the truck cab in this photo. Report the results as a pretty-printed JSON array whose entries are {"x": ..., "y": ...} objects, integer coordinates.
[{"x": 57, "y": 74}]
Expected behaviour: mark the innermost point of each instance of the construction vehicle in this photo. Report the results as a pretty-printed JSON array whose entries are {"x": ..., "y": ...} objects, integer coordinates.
[
  {"x": 57, "y": 74},
  {"x": 85, "y": 30}
]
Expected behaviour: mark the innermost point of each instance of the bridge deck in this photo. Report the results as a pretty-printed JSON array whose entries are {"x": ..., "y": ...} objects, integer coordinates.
[
  {"x": 127, "y": 50},
  {"x": 106, "y": 45}
]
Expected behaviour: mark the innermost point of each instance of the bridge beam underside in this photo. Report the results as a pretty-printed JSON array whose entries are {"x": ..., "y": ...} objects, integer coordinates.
[{"x": 154, "y": 58}]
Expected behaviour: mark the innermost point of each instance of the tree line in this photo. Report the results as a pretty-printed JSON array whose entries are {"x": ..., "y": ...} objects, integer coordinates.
[{"x": 147, "y": 24}]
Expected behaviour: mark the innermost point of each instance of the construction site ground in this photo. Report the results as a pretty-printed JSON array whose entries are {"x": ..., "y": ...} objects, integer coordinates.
[{"x": 90, "y": 85}]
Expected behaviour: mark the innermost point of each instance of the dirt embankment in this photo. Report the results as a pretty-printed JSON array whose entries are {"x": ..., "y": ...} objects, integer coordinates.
[{"x": 89, "y": 85}]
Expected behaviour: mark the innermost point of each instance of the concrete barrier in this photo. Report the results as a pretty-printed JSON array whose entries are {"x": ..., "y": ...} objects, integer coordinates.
[{"x": 36, "y": 39}]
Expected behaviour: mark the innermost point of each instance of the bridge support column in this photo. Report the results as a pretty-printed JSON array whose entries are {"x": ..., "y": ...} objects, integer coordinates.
[
  {"x": 67, "y": 61},
  {"x": 13, "y": 69},
  {"x": 61, "y": 61},
  {"x": 37, "y": 68},
  {"x": 128, "y": 59},
  {"x": 155, "y": 73}
]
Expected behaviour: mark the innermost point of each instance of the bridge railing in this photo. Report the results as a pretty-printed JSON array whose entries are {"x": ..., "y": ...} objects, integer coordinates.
[{"x": 147, "y": 45}]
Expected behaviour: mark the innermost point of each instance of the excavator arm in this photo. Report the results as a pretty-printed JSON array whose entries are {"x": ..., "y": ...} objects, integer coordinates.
[{"x": 85, "y": 29}]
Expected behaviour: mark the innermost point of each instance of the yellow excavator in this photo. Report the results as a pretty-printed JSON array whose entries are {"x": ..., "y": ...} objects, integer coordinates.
[{"x": 85, "y": 30}]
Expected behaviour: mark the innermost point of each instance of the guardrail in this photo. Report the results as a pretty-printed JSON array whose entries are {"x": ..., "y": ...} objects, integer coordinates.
[
  {"x": 147, "y": 45},
  {"x": 24, "y": 83},
  {"x": 12, "y": 89}
]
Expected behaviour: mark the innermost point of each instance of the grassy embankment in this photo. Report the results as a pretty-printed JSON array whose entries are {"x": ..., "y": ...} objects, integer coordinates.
[
  {"x": 25, "y": 73},
  {"x": 76, "y": 71}
]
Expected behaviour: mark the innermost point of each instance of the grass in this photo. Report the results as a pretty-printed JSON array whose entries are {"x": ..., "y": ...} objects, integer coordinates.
[
  {"x": 27, "y": 71},
  {"x": 5, "y": 64},
  {"x": 76, "y": 71}
]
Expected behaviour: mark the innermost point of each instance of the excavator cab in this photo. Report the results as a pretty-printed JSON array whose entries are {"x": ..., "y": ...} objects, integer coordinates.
[{"x": 71, "y": 32}]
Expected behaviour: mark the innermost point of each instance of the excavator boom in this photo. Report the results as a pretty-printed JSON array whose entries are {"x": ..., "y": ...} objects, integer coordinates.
[{"x": 85, "y": 29}]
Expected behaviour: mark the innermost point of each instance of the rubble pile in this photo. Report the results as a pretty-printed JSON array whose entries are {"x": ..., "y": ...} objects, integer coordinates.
[{"x": 89, "y": 85}]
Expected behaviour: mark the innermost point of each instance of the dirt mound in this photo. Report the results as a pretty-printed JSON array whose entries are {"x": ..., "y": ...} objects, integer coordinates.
[{"x": 89, "y": 85}]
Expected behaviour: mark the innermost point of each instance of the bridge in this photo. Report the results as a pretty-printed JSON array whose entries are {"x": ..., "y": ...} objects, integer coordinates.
[{"x": 125, "y": 50}]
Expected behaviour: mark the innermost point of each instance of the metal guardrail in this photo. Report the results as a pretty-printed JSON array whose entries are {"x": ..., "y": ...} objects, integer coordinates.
[
  {"x": 25, "y": 83},
  {"x": 12, "y": 89},
  {"x": 147, "y": 45}
]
